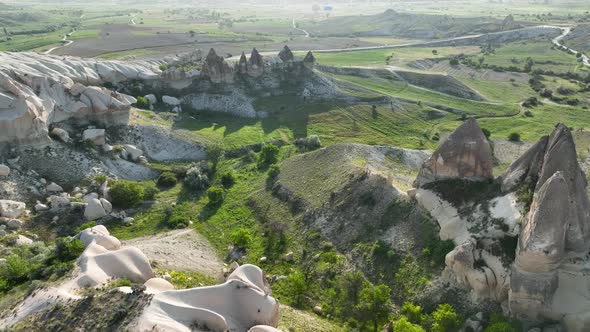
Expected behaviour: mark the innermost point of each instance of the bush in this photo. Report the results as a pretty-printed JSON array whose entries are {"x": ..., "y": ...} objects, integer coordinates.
[
  {"x": 196, "y": 178},
  {"x": 514, "y": 137},
  {"x": 454, "y": 62},
  {"x": 14, "y": 271},
  {"x": 125, "y": 193},
  {"x": 167, "y": 179},
  {"x": 241, "y": 238},
  {"x": 163, "y": 67},
  {"x": 67, "y": 249},
  {"x": 412, "y": 312},
  {"x": 142, "y": 103},
  {"x": 487, "y": 133},
  {"x": 268, "y": 155},
  {"x": 297, "y": 288},
  {"x": 273, "y": 172},
  {"x": 215, "y": 195},
  {"x": 403, "y": 325},
  {"x": 150, "y": 190},
  {"x": 445, "y": 319},
  {"x": 228, "y": 179},
  {"x": 176, "y": 222},
  {"x": 313, "y": 142}
]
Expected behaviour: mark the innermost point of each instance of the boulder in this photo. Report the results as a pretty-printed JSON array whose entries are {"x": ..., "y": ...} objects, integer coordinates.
[
  {"x": 289, "y": 257},
  {"x": 61, "y": 134},
  {"x": 23, "y": 241},
  {"x": 151, "y": 98},
  {"x": 54, "y": 188},
  {"x": 59, "y": 203},
  {"x": 14, "y": 224},
  {"x": 108, "y": 207},
  {"x": 90, "y": 196},
  {"x": 96, "y": 136},
  {"x": 41, "y": 207},
  {"x": 132, "y": 152},
  {"x": 285, "y": 54},
  {"x": 4, "y": 170},
  {"x": 172, "y": 101},
  {"x": 94, "y": 210},
  {"x": 466, "y": 154},
  {"x": 11, "y": 209}
]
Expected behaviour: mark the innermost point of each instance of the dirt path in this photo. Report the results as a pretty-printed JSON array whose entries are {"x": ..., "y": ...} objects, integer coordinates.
[
  {"x": 298, "y": 29},
  {"x": 182, "y": 249},
  {"x": 65, "y": 42},
  {"x": 557, "y": 42}
]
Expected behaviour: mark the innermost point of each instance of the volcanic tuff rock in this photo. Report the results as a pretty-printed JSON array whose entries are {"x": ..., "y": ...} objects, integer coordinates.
[
  {"x": 255, "y": 64},
  {"x": 217, "y": 69},
  {"x": 466, "y": 154},
  {"x": 243, "y": 64},
  {"x": 549, "y": 278},
  {"x": 285, "y": 54},
  {"x": 309, "y": 59},
  {"x": 37, "y": 90}
]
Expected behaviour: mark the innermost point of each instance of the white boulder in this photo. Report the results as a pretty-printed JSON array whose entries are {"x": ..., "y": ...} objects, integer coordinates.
[
  {"x": 90, "y": 197},
  {"x": 59, "y": 203},
  {"x": 172, "y": 101},
  {"x": 23, "y": 241},
  {"x": 61, "y": 134},
  {"x": 108, "y": 207},
  {"x": 41, "y": 207},
  {"x": 94, "y": 210},
  {"x": 54, "y": 188},
  {"x": 97, "y": 136},
  {"x": 151, "y": 98},
  {"x": 11, "y": 209},
  {"x": 132, "y": 151},
  {"x": 4, "y": 170}
]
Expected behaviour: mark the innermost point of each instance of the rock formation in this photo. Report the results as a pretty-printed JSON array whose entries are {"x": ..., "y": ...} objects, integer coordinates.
[
  {"x": 550, "y": 275},
  {"x": 243, "y": 64},
  {"x": 285, "y": 54},
  {"x": 466, "y": 154},
  {"x": 217, "y": 69},
  {"x": 309, "y": 60},
  {"x": 37, "y": 90},
  {"x": 508, "y": 23},
  {"x": 255, "y": 64}
]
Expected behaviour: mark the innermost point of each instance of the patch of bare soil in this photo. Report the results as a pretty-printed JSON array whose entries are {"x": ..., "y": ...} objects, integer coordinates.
[{"x": 182, "y": 249}]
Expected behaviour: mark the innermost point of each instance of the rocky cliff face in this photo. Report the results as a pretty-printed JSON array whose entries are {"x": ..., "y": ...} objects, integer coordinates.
[
  {"x": 285, "y": 54},
  {"x": 466, "y": 154},
  {"x": 37, "y": 90}
]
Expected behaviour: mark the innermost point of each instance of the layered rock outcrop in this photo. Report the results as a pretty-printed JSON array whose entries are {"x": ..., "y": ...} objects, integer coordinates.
[
  {"x": 37, "y": 90},
  {"x": 466, "y": 154}
]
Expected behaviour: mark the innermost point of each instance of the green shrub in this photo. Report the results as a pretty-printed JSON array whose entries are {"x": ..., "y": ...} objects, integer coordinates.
[
  {"x": 125, "y": 193},
  {"x": 167, "y": 179},
  {"x": 268, "y": 155},
  {"x": 412, "y": 312},
  {"x": 142, "y": 103},
  {"x": 228, "y": 179},
  {"x": 501, "y": 327},
  {"x": 445, "y": 319},
  {"x": 84, "y": 226},
  {"x": 404, "y": 325},
  {"x": 67, "y": 249},
  {"x": 177, "y": 222},
  {"x": 241, "y": 238},
  {"x": 297, "y": 288},
  {"x": 163, "y": 67},
  {"x": 100, "y": 179},
  {"x": 273, "y": 172},
  {"x": 123, "y": 282},
  {"x": 16, "y": 270},
  {"x": 514, "y": 137},
  {"x": 215, "y": 195},
  {"x": 149, "y": 190},
  {"x": 375, "y": 304},
  {"x": 196, "y": 178}
]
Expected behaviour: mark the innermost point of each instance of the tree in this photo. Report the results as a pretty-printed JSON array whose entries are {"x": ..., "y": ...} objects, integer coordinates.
[
  {"x": 215, "y": 154},
  {"x": 454, "y": 62},
  {"x": 297, "y": 287},
  {"x": 412, "y": 312},
  {"x": 375, "y": 303},
  {"x": 167, "y": 179},
  {"x": 445, "y": 319},
  {"x": 403, "y": 325},
  {"x": 228, "y": 179}
]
